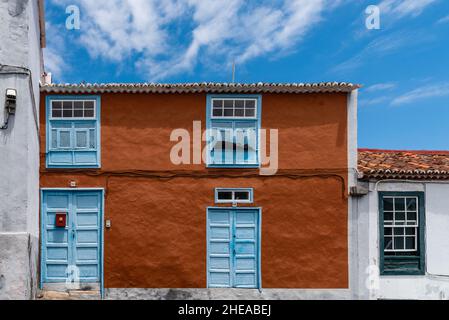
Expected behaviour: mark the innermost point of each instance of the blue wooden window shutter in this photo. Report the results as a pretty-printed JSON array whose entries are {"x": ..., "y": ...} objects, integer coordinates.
[
  {"x": 73, "y": 131},
  {"x": 233, "y": 130}
]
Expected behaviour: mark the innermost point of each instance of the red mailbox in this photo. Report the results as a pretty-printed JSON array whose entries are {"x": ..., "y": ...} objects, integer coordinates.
[{"x": 61, "y": 219}]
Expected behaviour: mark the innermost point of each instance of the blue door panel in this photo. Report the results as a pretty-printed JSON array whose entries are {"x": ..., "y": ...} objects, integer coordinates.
[
  {"x": 77, "y": 247},
  {"x": 233, "y": 248}
]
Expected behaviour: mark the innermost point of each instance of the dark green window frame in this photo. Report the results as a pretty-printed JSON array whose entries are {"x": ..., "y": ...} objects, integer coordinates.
[{"x": 404, "y": 264}]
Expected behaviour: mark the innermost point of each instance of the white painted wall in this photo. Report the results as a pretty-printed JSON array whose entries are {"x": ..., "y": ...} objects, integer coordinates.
[
  {"x": 19, "y": 151},
  {"x": 435, "y": 283}
]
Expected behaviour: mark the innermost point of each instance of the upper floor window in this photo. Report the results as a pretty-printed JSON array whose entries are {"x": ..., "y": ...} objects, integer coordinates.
[
  {"x": 73, "y": 133},
  {"x": 233, "y": 108},
  {"x": 83, "y": 109},
  {"x": 233, "y": 124},
  {"x": 236, "y": 195},
  {"x": 402, "y": 233}
]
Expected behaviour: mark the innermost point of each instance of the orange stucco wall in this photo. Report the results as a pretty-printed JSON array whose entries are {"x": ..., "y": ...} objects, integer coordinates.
[{"x": 158, "y": 234}]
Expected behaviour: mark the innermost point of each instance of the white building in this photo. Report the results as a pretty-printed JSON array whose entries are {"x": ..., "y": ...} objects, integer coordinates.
[
  {"x": 22, "y": 38},
  {"x": 402, "y": 230}
]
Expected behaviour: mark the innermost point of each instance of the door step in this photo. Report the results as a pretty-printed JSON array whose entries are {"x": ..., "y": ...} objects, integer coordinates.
[{"x": 69, "y": 295}]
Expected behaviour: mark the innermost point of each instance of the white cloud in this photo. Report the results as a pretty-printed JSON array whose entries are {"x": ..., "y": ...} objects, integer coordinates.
[
  {"x": 403, "y": 8},
  {"x": 375, "y": 101},
  {"x": 169, "y": 37},
  {"x": 444, "y": 19},
  {"x": 380, "y": 87},
  {"x": 54, "y": 61},
  {"x": 382, "y": 46},
  {"x": 428, "y": 91}
]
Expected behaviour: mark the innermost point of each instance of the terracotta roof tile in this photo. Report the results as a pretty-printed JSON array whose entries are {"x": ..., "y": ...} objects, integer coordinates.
[
  {"x": 203, "y": 87},
  {"x": 403, "y": 164}
]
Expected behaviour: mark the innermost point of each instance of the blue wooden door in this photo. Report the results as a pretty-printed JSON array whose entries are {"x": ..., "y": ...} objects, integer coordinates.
[
  {"x": 72, "y": 252},
  {"x": 233, "y": 248}
]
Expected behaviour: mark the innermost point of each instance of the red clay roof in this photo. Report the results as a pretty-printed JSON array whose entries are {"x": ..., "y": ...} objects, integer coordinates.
[
  {"x": 403, "y": 164},
  {"x": 202, "y": 87}
]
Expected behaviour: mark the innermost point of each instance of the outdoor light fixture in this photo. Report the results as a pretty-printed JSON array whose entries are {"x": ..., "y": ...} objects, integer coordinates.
[
  {"x": 10, "y": 102},
  {"x": 10, "y": 106}
]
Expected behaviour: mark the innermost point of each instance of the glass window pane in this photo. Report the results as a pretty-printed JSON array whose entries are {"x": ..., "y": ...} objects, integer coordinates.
[
  {"x": 54, "y": 141},
  {"x": 399, "y": 204},
  {"x": 240, "y": 103},
  {"x": 399, "y": 216},
  {"x": 241, "y": 195},
  {"x": 81, "y": 139},
  {"x": 388, "y": 204},
  {"x": 411, "y": 216},
  {"x": 56, "y": 113},
  {"x": 64, "y": 139},
  {"x": 398, "y": 231},
  {"x": 410, "y": 231},
  {"x": 224, "y": 195},
  {"x": 217, "y": 112},
  {"x": 228, "y": 103},
  {"x": 239, "y": 112},
  {"x": 56, "y": 109},
  {"x": 410, "y": 243},
  {"x": 217, "y": 104},
  {"x": 89, "y": 104},
  {"x": 228, "y": 112},
  {"x": 398, "y": 243},
  {"x": 411, "y": 204},
  {"x": 388, "y": 231},
  {"x": 78, "y": 113},
  {"x": 67, "y": 109},
  {"x": 78, "y": 104},
  {"x": 388, "y": 243},
  {"x": 92, "y": 139},
  {"x": 89, "y": 113},
  {"x": 56, "y": 105},
  {"x": 388, "y": 216},
  {"x": 250, "y": 113},
  {"x": 250, "y": 104}
]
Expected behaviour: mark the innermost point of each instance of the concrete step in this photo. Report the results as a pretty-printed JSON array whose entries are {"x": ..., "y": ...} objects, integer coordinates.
[{"x": 69, "y": 295}]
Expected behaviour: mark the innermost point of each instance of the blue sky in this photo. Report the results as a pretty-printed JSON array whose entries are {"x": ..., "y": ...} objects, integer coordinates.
[{"x": 403, "y": 66}]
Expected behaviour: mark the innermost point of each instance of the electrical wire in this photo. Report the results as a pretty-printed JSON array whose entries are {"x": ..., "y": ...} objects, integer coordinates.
[
  {"x": 18, "y": 70},
  {"x": 170, "y": 174}
]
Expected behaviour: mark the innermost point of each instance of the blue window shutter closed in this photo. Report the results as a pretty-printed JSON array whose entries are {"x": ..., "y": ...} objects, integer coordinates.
[{"x": 73, "y": 143}]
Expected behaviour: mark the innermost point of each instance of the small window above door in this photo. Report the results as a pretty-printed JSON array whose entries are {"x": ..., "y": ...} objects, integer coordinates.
[{"x": 233, "y": 195}]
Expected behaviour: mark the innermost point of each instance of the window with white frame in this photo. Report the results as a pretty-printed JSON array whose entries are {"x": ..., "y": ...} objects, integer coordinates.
[
  {"x": 237, "y": 195},
  {"x": 67, "y": 109},
  {"x": 401, "y": 224},
  {"x": 234, "y": 108},
  {"x": 73, "y": 132},
  {"x": 402, "y": 249},
  {"x": 233, "y": 128}
]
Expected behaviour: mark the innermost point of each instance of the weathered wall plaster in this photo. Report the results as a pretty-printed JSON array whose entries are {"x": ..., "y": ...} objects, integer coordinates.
[
  {"x": 435, "y": 283},
  {"x": 158, "y": 234},
  {"x": 225, "y": 294},
  {"x": 19, "y": 149}
]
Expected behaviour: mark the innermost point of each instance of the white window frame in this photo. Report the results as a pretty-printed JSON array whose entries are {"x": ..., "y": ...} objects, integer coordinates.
[
  {"x": 392, "y": 223},
  {"x": 233, "y": 191},
  {"x": 73, "y": 118},
  {"x": 233, "y": 108}
]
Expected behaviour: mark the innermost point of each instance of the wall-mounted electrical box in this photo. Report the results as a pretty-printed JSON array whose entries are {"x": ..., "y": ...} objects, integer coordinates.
[{"x": 61, "y": 219}]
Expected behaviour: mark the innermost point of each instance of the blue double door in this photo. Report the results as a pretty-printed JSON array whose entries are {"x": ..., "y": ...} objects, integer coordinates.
[
  {"x": 233, "y": 248},
  {"x": 71, "y": 253}
]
